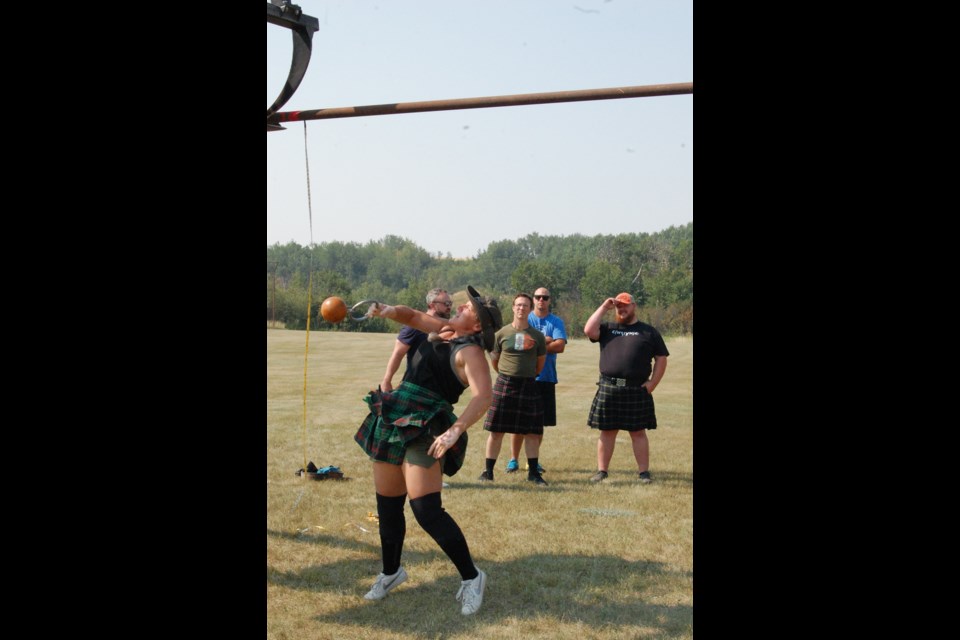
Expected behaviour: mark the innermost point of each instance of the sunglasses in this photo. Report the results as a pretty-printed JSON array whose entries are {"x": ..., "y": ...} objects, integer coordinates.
[
  {"x": 542, "y": 297},
  {"x": 447, "y": 303}
]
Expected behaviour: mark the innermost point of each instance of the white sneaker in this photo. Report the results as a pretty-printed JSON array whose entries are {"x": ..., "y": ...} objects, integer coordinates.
[
  {"x": 471, "y": 593},
  {"x": 385, "y": 584}
]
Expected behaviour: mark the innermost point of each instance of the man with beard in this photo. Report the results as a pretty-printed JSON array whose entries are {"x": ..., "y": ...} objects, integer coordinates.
[
  {"x": 624, "y": 398},
  {"x": 438, "y": 306}
]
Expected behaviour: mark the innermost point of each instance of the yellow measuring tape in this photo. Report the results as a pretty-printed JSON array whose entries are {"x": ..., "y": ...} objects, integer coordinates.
[
  {"x": 306, "y": 349},
  {"x": 306, "y": 352}
]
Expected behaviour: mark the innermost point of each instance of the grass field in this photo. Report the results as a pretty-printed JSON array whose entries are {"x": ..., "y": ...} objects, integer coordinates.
[{"x": 571, "y": 560}]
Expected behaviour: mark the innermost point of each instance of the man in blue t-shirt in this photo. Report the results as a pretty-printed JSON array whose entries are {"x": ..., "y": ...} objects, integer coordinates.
[
  {"x": 554, "y": 331},
  {"x": 438, "y": 305}
]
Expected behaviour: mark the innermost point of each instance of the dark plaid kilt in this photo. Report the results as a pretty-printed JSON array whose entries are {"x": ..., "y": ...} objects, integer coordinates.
[
  {"x": 401, "y": 416},
  {"x": 516, "y": 406},
  {"x": 627, "y": 408}
]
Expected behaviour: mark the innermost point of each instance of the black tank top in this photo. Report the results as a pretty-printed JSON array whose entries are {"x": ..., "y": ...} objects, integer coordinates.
[{"x": 433, "y": 366}]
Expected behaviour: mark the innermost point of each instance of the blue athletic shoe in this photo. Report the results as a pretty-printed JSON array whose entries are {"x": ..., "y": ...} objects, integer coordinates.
[{"x": 512, "y": 465}]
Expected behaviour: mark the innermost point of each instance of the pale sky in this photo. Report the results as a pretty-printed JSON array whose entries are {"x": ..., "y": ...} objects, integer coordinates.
[{"x": 454, "y": 181}]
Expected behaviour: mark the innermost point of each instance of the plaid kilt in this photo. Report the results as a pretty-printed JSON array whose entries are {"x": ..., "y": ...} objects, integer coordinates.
[
  {"x": 627, "y": 408},
  {"x": 401, "y": 416},
  {"x": 516, "y": 406}
]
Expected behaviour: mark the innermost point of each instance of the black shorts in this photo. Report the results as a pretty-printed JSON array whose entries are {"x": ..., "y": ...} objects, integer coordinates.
[{"x": 548, "y": 393}]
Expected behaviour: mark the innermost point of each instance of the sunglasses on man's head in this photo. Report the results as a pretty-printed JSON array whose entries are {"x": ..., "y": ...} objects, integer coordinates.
[{"x": 542, "y": 297}]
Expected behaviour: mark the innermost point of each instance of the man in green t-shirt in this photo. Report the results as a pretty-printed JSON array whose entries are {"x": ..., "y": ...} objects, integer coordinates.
[{"x": 518, "y": 355}]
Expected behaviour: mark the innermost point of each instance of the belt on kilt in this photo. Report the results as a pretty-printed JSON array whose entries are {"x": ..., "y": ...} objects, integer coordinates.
[{"x": 623, "y": 382}]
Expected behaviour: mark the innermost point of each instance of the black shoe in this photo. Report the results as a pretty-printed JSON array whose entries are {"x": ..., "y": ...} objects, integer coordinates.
[
  {"x": 538, "y": 480},
  {"x": 645, "y": 477},
  {"x": 599, "y": 476},
  {"x": 486, "y": 476}
]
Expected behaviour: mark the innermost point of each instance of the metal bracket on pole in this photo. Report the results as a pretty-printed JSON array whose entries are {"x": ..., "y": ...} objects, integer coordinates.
[{"x": 284, "y": 14}]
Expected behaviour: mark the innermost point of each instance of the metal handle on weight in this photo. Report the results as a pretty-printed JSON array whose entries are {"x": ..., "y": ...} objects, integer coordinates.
[{"x": 361, "y": 311}]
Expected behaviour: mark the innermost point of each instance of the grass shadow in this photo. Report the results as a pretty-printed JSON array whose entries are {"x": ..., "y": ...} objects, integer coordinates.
[
  {"x": 629, "y": 477},
  {"x": 520, "y": 487},
  {"x": 598, "y": 592},
  {"x": 296, "y": 579}
]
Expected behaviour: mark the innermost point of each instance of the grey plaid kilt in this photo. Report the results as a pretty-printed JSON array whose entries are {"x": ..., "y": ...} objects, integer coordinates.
[
  {"x": 516, "y": 406},
  {"x": 627, "y": 408},
  {"x": 403, "y": 415}
]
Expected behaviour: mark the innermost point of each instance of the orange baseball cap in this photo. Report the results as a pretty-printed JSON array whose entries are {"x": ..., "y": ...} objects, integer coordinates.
[{"x": 623, "y": 298}]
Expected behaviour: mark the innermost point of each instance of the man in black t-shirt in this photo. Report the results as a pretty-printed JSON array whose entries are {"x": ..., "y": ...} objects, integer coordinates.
[
  {"x": 624, "y": 398},
  {"x": 438, "y": 305}
]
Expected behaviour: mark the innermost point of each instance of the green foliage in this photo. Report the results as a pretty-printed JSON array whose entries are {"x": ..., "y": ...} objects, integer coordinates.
[
  {"x": 498, "y": 263},
  {"x": 674, "y": 319},
  {"x": 532, "y": 274},
  {"x": 602, "y": 280},
  {"x": 580, "y": 271},
  {"x": 670, "y": 287}
]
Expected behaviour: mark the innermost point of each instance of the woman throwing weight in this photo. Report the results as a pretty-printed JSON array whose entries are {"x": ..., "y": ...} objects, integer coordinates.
[{"x": 411, "y": 434}]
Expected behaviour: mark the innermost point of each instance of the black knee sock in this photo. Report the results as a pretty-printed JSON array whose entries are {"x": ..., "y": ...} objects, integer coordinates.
[
  {"x": 533, "y": 472},
  {"x": 490, "y": 462},
  {"x": 442, "y": 528},
  {"x": 393, "y": 529}
]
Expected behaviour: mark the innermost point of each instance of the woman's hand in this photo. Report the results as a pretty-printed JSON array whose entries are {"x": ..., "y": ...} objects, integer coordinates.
[
  {"x": 380, "y": 310},
  {"x": 443, "y": 442}
]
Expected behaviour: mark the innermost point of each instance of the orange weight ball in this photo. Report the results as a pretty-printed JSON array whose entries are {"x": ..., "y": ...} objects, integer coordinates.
[{"x": 333, "y": 309}]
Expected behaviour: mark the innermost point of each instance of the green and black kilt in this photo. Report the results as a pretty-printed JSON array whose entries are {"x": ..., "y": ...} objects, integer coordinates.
[
  {"x": 628, "y": 408},
  {"x": 399, "y": 417}
]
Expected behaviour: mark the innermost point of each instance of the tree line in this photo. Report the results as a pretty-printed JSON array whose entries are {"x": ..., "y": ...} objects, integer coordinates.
[{"x": 579, "y": 270}]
